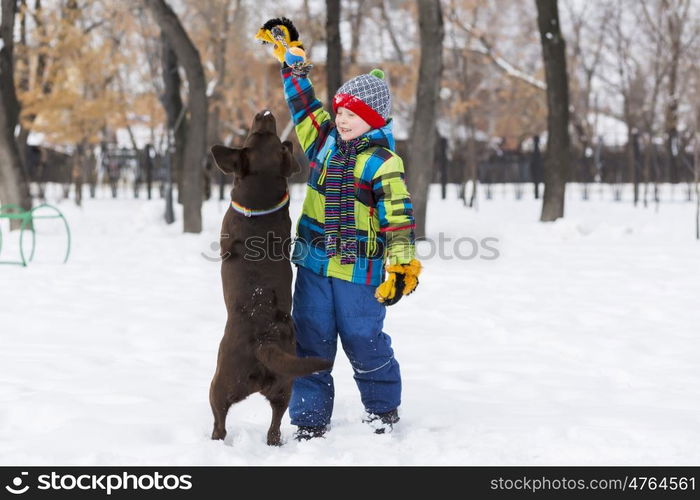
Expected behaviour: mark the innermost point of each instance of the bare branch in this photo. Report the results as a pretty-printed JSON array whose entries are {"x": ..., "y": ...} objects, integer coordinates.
[{"x": 486, "y": 48}]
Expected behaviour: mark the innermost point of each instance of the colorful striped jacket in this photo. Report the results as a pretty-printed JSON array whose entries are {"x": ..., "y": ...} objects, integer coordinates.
[{"x": 383, "y": 211}]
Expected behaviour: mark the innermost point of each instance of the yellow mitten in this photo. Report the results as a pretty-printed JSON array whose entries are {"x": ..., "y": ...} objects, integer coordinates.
[
  {"x": 411, "y": 272},
  {"x": 402, "y": 280},
  {"x": 281, "y": 33}
]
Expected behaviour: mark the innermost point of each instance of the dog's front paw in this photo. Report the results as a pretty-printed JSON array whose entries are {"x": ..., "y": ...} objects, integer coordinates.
[
  {"x": 218, "y": 434},
  {"x": 274, "y": 439}
]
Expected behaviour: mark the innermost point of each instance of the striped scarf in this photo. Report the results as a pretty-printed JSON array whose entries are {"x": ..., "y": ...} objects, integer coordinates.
[{"x": 340, "y": 200}]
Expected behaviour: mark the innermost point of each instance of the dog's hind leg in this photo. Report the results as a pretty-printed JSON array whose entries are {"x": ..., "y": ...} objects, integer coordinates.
[
  {"x": 279, "y": 401},
  {"x": 219, "y": 407},
  {"x": 221, "y": 400}
]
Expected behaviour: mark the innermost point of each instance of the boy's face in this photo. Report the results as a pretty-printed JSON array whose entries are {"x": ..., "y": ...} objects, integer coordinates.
[{"x": 350, "y": 126}]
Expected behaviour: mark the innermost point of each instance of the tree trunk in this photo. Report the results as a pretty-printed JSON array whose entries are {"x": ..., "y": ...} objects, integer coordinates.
[
  {"x": 421, "y": 150},
  {"x": 14, "y": 187},
  {"x": 22, "y": 70},
  {"x": 334, "y": 68},
  {"x": 355, "y": 30},
  {"x": 558, "y": 156},
  {"x": 636, "y": 165},
  {"x": 91, "y": 171},
  {"x": 472, "y": 161},
  {"x": 536, "y": 165},
  {"x": 195, "y": 145},
  {"x": 7, "y": 27},
  {"x": 174, "y": 109},
  {"x": 77, "y": 171},
  {"x": 11, "y": 185},
  {"x": 148, "y": 165}
]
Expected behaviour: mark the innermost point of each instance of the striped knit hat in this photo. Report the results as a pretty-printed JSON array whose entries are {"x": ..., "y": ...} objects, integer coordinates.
[{"x": 367, "y": 96}]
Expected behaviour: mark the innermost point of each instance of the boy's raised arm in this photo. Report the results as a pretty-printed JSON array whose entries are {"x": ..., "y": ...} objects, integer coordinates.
[{"x": 311, "y": 122}]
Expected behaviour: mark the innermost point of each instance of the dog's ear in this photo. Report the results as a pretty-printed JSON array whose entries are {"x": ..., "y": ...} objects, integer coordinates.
[
  {"x": 231, "y": 160},
  {"x": 290, "y": 165}
]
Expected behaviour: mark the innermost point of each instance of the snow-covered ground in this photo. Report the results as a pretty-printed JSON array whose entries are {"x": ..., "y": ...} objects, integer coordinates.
[{"x": 578, "y": 344}]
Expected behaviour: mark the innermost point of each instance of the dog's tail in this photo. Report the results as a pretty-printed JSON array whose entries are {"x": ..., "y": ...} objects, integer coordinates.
[{"x": 284, "y": 363}]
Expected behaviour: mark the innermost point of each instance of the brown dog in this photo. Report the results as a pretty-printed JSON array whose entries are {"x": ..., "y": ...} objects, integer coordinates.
[{"x": 257, "y": 352}]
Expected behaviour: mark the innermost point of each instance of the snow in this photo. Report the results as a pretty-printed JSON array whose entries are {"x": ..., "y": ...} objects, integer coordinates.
[{"x": 577, "y": 345}]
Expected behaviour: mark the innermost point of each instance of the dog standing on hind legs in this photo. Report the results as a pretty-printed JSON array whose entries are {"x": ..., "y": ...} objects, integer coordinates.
[{"x": 258, "y": 350}]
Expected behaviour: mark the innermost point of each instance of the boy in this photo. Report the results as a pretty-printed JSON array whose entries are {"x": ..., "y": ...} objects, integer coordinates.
[{"x": 356, "y": 219}]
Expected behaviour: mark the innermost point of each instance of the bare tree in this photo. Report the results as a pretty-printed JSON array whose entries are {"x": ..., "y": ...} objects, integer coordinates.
[
  {"x": 152, "y": 48},
  {"x": 589, "y": 32},
  {"x": 461, "y": 66},
  {"x": 557, "y": 156},
  {"x": 14, "y": 187},
  {"x": 657, "y": 73},
  {"x": 675, "y": 14},
  {"x": 486, "y": 48},
  {"x": 174, "y": 109},
  {"x": 195, "y": 146},
  {"x": 390, "y": 29},
  {"x": 219, "y": 40},
  {"x": 334, "y": 68},
  {"x": 313, "y": 31},
  {"x": 628, "y": 82},
  {"x": 356, "y": 17},
  {"x": 422, "y": 140}
]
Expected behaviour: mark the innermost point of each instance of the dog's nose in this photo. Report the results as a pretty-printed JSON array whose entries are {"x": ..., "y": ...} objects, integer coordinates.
[{"x": 265, "y": 121}]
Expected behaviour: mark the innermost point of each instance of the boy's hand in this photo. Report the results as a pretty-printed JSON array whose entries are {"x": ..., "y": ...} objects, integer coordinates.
[
  {"x": 294, "y": 55},
  {"x": 295, "y": 58},
  {"x": 402, "y": 280}
]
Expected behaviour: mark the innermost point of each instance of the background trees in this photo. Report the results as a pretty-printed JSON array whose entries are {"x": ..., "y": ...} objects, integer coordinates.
[{"x": 91, "y": 74}]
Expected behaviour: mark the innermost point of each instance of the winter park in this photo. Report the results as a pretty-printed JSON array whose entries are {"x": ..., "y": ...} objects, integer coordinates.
[{"x": 349, "y": 232}]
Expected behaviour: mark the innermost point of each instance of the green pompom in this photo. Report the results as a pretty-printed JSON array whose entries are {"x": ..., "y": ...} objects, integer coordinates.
[{"x": 378, "y": 73}]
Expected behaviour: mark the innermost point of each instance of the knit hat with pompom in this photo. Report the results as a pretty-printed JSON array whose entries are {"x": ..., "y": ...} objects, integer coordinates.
[{"x": 367, "y": 96}]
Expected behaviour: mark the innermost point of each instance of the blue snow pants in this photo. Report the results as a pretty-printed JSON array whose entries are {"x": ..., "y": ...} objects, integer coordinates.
[{"x": 323, "y": 310}]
